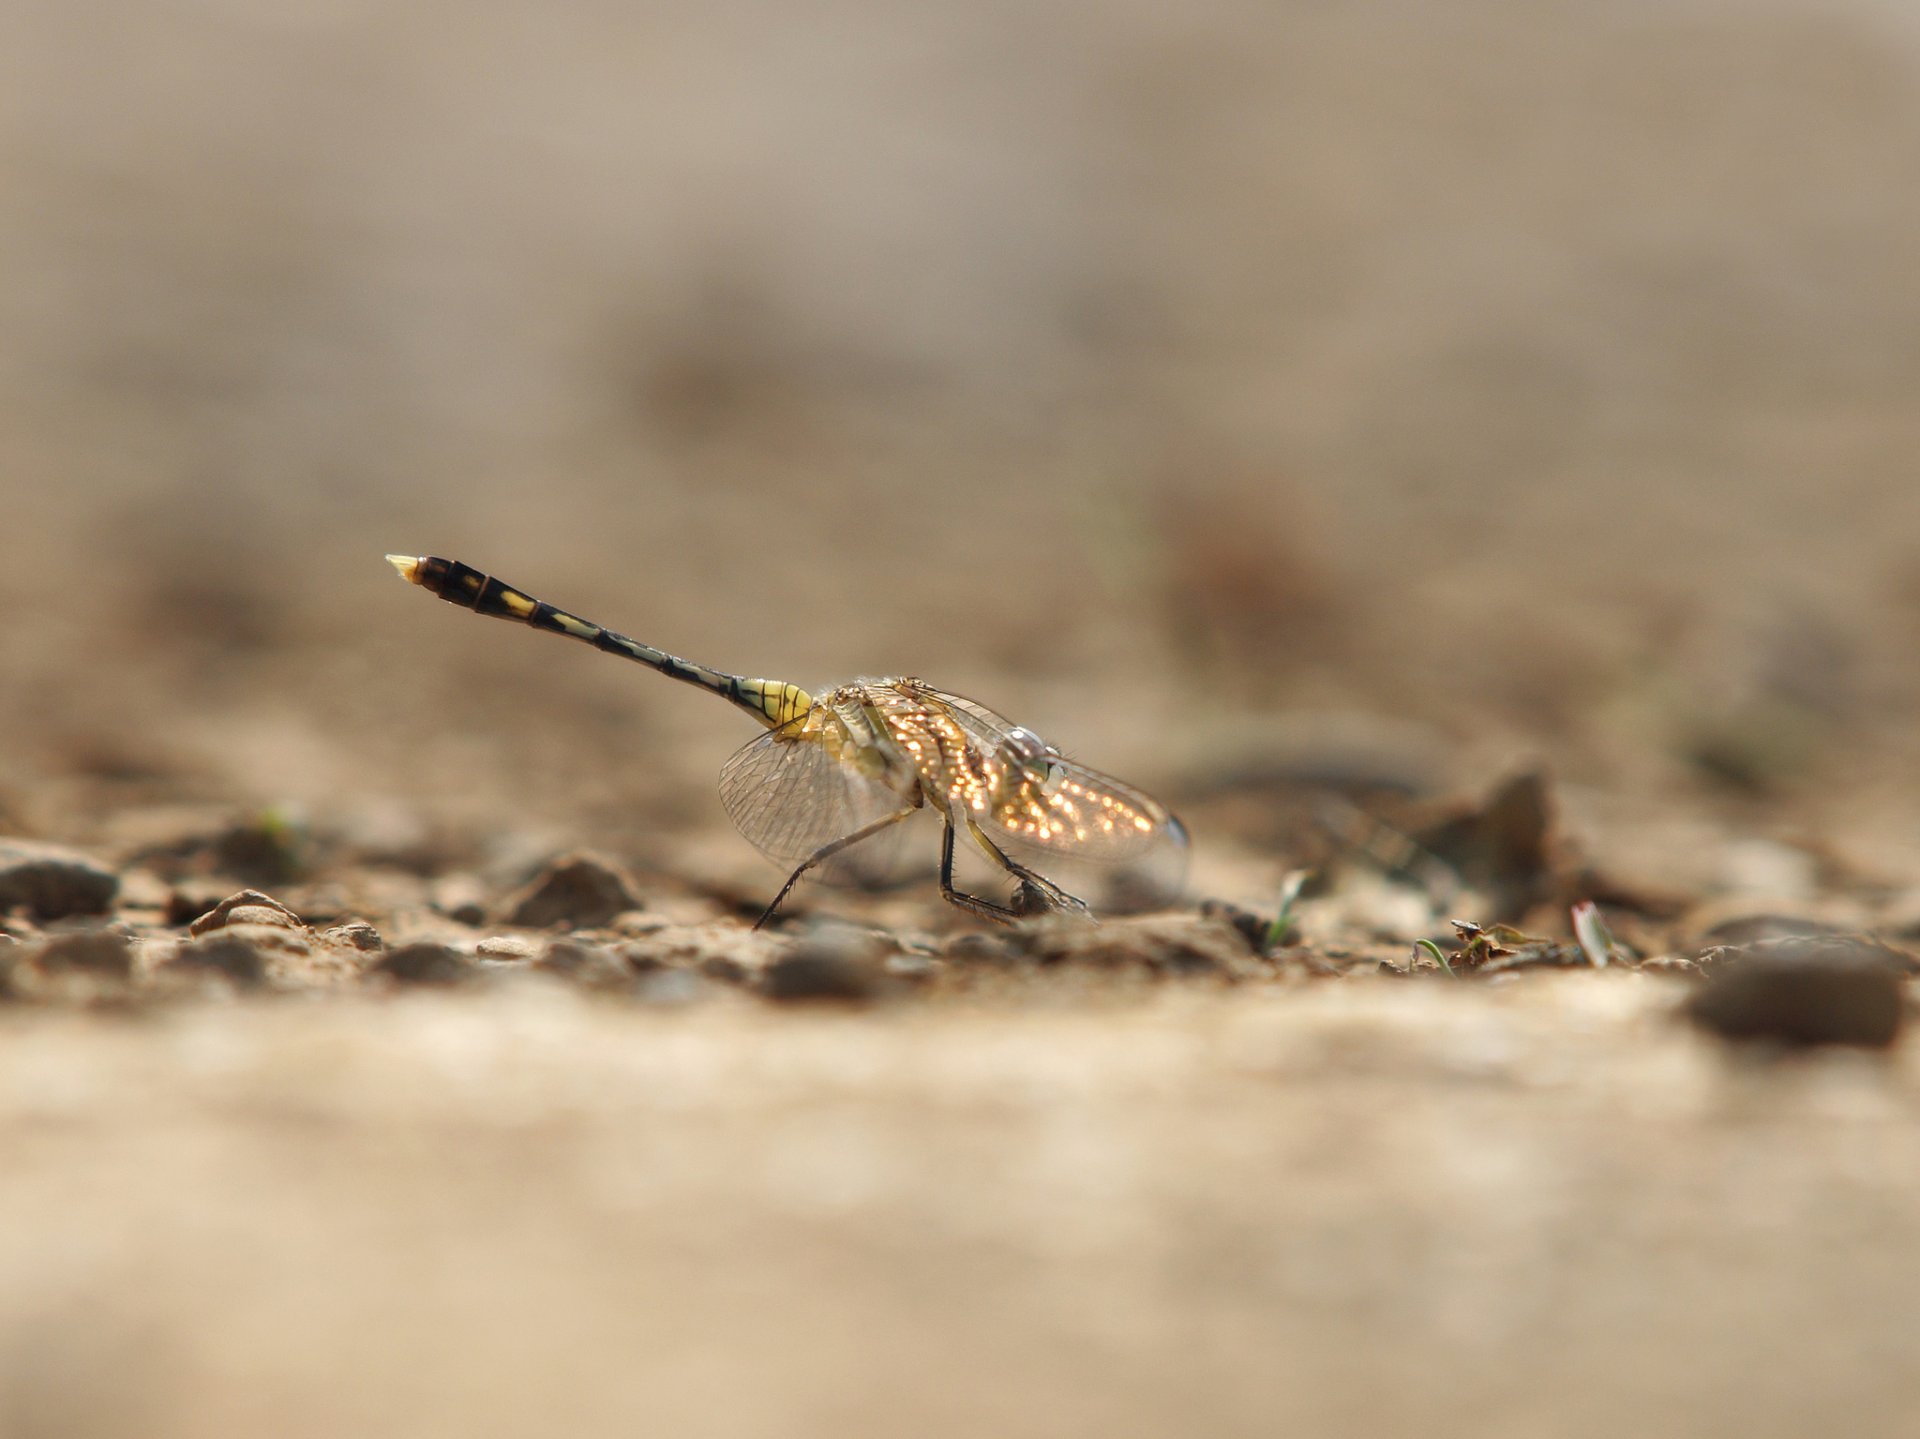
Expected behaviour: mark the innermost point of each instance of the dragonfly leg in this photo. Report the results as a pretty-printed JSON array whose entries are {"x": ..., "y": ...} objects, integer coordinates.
[
  {"x": 1038, "y": 894},
  {"x": 985, "y": 908},
  {"x": 827, "y": 852}
]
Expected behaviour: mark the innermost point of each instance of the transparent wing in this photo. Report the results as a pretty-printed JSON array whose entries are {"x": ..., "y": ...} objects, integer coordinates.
[
  {"x": 1098, "y": 838},
  {"x": 789, "y": 796},
  {"x": 1077, "y": 814}
]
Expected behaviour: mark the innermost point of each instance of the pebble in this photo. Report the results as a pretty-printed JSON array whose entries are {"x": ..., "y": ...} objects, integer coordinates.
[
  {"x": 227, "y": 954},
  {"x": 249, "y": 906},
  {"x": 424, "y": 963},
  {"x": 103, "y": 952},
  {"x": 506, "y": 947},
  {"x": 816, "y": 971},
  {"x": 724, "y": 969},
  {"x": 578, "y": 892},
  {"x": 1802, "y": 992},
  {"x": 586, "y": 964},
  {"x": 356, "y": 934},
  {"x": 51, "y": 882}
]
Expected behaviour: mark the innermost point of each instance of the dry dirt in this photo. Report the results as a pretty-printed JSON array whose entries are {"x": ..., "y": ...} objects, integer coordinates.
[{"x": 1465, "y": 454}]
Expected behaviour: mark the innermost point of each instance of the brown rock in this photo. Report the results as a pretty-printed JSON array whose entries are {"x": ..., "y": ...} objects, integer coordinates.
[
  {"x": 249, "y": 906},
  {"x": 224, "y": 954},
  {"x": 1802, "y": 992},
  {"x": 356, "y": 934},
  {"x": 824, "y": 970},
  {"x": 50, "y": 882},
  {"x": 577, "y": 892},
  {"x": 430, "y": 964},
  {"x": 104, "y": 953},
  {"x": 586, "y": 965}
]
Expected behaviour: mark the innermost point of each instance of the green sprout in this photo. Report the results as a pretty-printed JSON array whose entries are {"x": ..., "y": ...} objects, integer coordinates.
[
  {"x": 1281, "y": 930},
  {"x": 1439, "y": 955}
]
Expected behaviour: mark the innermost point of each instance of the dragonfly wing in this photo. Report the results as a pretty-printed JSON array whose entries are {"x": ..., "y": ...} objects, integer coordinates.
[
  {"x": 1097, "y": 837},
  {"x": 789, "y": 795},
  {"x": 1079, "y": 811},
  {"x": 1076, "y": 817},
  {"x": 1099, "y": 819}
]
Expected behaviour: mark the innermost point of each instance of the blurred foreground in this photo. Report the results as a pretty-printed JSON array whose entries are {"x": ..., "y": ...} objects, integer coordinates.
[{"x": 1351, "y": 1210}]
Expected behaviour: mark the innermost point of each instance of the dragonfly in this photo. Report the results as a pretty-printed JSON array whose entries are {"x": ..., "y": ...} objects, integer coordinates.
[{"x": 835, "y": 773}]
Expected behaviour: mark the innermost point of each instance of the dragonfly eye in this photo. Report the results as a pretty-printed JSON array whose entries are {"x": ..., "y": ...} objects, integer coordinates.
[{"x": 1020, "y": 747}]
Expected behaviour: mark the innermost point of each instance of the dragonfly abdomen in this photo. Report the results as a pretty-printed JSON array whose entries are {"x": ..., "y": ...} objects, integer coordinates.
[{"x": 772, "y": 702}]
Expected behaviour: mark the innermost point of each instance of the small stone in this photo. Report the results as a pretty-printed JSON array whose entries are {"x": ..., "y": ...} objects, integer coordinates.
[
  {"x": 639, "y": 959},
  {"x": 1749, "y": 928},
  {"x": 268, "y": 848},
  {"x": 225, "y": 954},
  {"x": 51, "y": 882},
  {"x": 424, "y": 963},
  {"x": 356, "y": 934},
  {"x": 724, "y": 969},
  {"x": 1802, "y": 992},
  {"x": 822, "y": 971},
  {"x": 1253, "y": 928},
  {"x": 585, "y": 964},
  {"x": 102, "y": 952},
  {"x": 508, "y": 947},
  {"x": 249, "y": 906},
  {"x": 578, "y": 892}
]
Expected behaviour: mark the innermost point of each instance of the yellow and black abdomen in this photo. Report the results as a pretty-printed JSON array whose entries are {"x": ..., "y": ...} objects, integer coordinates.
[{"x": 772, "y": 702}]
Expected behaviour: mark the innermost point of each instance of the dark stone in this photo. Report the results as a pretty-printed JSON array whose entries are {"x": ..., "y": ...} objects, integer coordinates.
[
  {"x": 50, "y": 882},
  {"x": 639, "y": 959},
  {"x": 1253, "y": 928},
  {"x": 577, "y": 892},
  {"x": 424, "y": 963},
  {"x": 1802, "y": 992},
  {"x": 817, "y": 972},
  {"x": 586, "y": 965},
  {"x": 267, "y": 849},
  {"x": 102, "y": 952},
  {"x": 1750, "y": 928},
  {"x": 224, "y": 954},
  {"x": 724, "y": 969}
]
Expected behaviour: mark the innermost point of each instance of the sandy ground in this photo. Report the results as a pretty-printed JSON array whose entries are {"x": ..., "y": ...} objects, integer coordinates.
[{"x": 1361, "y": 1208}]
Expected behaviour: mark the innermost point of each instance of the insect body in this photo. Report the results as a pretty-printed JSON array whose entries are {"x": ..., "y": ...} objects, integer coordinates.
[{"x": 835, "y": 772}]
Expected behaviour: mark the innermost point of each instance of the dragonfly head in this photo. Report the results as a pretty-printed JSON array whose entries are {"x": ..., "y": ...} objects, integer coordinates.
[{"x": 1024, "y": 758}]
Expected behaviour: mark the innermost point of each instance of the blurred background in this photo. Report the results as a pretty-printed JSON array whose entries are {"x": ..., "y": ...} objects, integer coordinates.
[{"x": 1492, "y": 382}]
